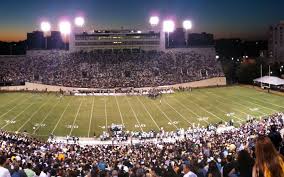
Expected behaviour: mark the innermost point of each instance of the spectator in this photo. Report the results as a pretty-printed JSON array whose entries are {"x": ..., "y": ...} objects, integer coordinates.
[
  {"x": 269, "y": 163},
  {"x": 244, "y": 164},
  {"x": 187, "y": 172},
  {"x": 275, "y": 137},
  {"x": 4, "y": 172}
]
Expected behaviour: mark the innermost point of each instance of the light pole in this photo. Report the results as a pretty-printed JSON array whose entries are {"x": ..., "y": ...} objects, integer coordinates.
[
  {"x": 168, "y": 27},
  {"x": 154, "y": 21},
  {"x": 65, "y": 29},
  {"x": 187, "y": 25},
  {"x": 45, "y": 27}
]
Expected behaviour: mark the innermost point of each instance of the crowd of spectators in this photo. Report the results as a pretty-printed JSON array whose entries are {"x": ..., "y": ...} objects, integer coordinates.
[
  {"x": 110, "y": 70},
  {"x": 244, "y": 151}
]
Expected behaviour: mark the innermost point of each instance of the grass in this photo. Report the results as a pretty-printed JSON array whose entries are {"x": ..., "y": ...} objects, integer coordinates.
[{"x": 42, "y": 114}]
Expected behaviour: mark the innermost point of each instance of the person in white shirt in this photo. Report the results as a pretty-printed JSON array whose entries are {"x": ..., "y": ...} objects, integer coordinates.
[
  {"x": 4, "y": 172},
  {"x": 187, "y": 172}
]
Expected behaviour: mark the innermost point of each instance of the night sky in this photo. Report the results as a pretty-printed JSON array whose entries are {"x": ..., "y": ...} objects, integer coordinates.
[{"x": 248, "y": 19}]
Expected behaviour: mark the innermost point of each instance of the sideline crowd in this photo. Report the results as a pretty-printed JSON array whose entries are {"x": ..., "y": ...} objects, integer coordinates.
[{"x": 251, "y": 150}]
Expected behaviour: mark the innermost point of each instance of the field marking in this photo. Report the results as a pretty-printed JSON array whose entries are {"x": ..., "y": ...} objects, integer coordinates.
[
  {"x": 234, "y": 96},
  {"x": 119, "y": 111},
  {"x": 12, "y": 100},
  {"x": 135, "y": 115},
  {"x": 105, "y": 112},
  {"x": 165, "y": 115},
  {"x": 15, "y": 106},
  {"x": 43, "y": 104},
  {"x": 255, "y": 104},
  {"x": 91, "y": 117},
  {"x": 143, "y": 105},
  {"x": 206, "y": 110},
  {"x": 178, "y": 113},
  {"x": 198, "y": 116},
  {"x": 76, "y": 116},
  {"x": 49, "y": 112},
  {"x": 232, "y": 107},
  {"x": 235, "y": 102},
  {"x": 19, "y": 114},
  {"x": 55, "y": 127},
  {"x": 220, "y": 109},
  {"x": 262, "y": 102}
]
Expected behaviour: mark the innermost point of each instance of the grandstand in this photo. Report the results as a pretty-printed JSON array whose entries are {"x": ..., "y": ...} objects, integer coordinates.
[{"x": 118, "y": 104}]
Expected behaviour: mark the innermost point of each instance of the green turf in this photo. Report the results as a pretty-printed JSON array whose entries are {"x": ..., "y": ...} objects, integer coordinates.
[{"x": 82, "y": 116}]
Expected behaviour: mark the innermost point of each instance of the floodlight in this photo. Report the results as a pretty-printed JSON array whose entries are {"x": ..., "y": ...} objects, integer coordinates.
[
  {"x": 45, "y": 26},
  {"x": 65, "y": 27},
  {"x": 187, "y": 25},
  {"x": 154, "y": 20},
  {"x": 168, "y": 26},
  {"x": 217, "y": 57},
  {"x": 79, "y": 21}
]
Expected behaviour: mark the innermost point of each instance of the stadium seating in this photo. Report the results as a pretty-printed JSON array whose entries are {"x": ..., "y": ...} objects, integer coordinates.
[
  {"x": 110, "y": 70},
  {"x": 201, "y": 148}
]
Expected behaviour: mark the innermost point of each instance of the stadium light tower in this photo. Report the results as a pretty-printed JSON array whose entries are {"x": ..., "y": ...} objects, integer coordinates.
[
  {"x": 65, "y": 29},
  {"x": 154, "y": 21},
  {"x": 168, "y": 27},
  {"x": 187, "y": 25},
  {"x": 45, "y": 27},
  {"x": 79, "y": 21}
]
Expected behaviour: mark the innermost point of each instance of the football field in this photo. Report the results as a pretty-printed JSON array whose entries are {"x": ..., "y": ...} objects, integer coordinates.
[{"x": 43, "y": 114}]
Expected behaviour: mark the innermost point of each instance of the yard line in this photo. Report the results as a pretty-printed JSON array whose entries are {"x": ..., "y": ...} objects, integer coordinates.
[
  {"x": 33, "y": 114},
  {"x": 166, "y": 116},
  {"x": 46, "y": 116},
  {"x": 148, "y": 112},
  {"x": 256, "y": 104},
  {"x": 180, "y": 103},
  {"x": 61, "y": 116},
  {"x": 264, "y": 101},
  {"x": 232, "y": 107},
  {"x": 16, "y": 98},
  {"x": 178, "y": 112},
  {"x": 18, "y": 114},
  {"x": 91, "y": 116},
  {"x": 105, "y": 112},
  {"x": 135, "y": 115},
  {"x": 15, "y": 106},
  {"x": 206, "y": 110},
  {"x": 221, "y": 110},
  {"x": 235, "y": 102},
  {"x": 76, "y": 117},
  {"x": 119, "y": 111}
]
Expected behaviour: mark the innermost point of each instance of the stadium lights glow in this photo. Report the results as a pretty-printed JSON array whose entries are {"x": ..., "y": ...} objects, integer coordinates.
[
  {"x": 217, "y": 57},
  {"x": 139, "y": 31},
  {"x": 187, "y": 25},
  {"x": 79, "y": 21},
  {"x": 168, "y": 26},
  {"x": 154, "y": 20},
  {"x": 45, "y": 26},
  {"x": 65, "y": 27}
]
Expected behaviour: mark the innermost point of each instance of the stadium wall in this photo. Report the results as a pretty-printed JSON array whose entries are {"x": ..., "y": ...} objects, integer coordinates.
[{"x": 217, "y": 81}]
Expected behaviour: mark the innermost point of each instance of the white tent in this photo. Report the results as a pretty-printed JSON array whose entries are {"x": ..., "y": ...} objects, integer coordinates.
[{"x": 272, "y": 80}]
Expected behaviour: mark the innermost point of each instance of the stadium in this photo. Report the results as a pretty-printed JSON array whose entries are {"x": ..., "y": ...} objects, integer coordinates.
[{"x": 133, "y": 103}]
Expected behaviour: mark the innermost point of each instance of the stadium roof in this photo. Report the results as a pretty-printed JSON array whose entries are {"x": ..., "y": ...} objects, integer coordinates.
[{"x": 272, "y": 80}]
